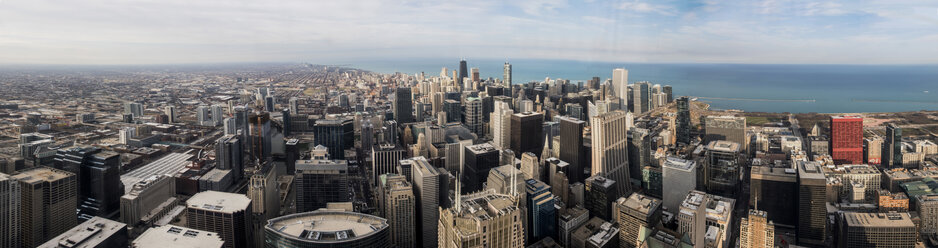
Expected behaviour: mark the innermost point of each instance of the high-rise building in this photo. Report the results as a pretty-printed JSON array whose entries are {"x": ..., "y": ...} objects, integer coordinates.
[
  {"x": 571, "y": 147},
  {"x": 177, "y": 236},
  {"x": 530, "y": 166},
  {"x": 125, "y": 134},
  {"x": 775, "y": 191},
  {"x": 227, "y": 214},
  {"x": 403, "y": 107},
  {"x": 328, "y": 228},
  {"x": 632, "y": 214},
  {"x": 569, "y": 220},
  {"x": 384, "y": 159},
  {"x": 927, "y": 207},
  {"x": 505, "y": 179},
  {"x": 641, "y": 97},
  {"x": 501, "y": 125},
  {"x": 478, "y": 161},
  {"x": 542, "y": 215},
  {"x": 683, "y": 121},
  {"x": 203, "y": 115},
  {"x": 98, "y": 174},
  {"x": 886, "y": 230},
  {"x": 9, "y": 211},
  {"x": 96, "y": 232},
  {"x": 47, "y": 204},
  {"x": 320, "y": 181},
  {"x": 620, "y": 84},
  {"x": 218, "y": 114},
  {"x": 722, "y": 170},
  {"x": 148, "y": 201},
  {"x": 473, "y": 116},
  {"x": 431, "y": 189},
  {"x": 846, "y": 139},
  {"x": 640, "y": 150},
  {"x": 506, "y": 76},
  {"x": 463, "y": 73},
  {"x": 892, "y": 147},
  {"x": 264, "y": 193},
  {"x": 399, "y": 207},
  {"x": 170, "y": 111},
  {"x": 729, "y": 128},
  {"x": 527, "y": 133},
  {"x": 680, "y": 176},
  {"x": 228, "y": 155},
  {"x": 668, "y": 93},
  {"x": 485, "y": 212},
  {"x": 756, "y": 231},
  {"x": 812, "y": 204},
  {"x": 231, "y": 126},
  {"x": 706, "y": 219},
  {"x": 600, "y": 194},
  {"x": 474, "y": 71},
  {"x": 610, "y": 148},
  {"x": 335, "y": 134},
  {"x": 133, "y": 108}
]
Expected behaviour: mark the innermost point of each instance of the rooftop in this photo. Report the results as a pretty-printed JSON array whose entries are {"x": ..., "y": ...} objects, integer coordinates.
[
  {"x": 167, "y": 165},
  {"x": 176, "y": 236},
  {"x": 327, "y": 225},
  {"x": 891, "y": 219},
  {"x": 219, "y": 201},
  {"x": 643, "y": 204},
  {"x": 41, "y": 174},
  {"x": 723, "y": 146},
  {"x": 87, "y": 234},
  {"x": 678, "y": 163}
]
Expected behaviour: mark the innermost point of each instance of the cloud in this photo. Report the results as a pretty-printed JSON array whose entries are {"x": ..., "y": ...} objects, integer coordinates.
[
  {"x": 643, "y": 7},
  {"x": 538, "y": 7}
]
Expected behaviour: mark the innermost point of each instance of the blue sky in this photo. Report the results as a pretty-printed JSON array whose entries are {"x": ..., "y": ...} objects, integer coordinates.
[{"x": 320, "y": 31}]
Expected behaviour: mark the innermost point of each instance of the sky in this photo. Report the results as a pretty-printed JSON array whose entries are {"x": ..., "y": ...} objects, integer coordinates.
[{"x": 335, "y": 31}]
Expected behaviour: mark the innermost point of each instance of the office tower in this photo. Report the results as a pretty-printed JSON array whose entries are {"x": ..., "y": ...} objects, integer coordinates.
[
  {"x": 756, "y": 231},
  {"x": 203, "y": 115},
  {"x": 600, "y": 194},
  {"x": 542, "y": 215},
  {"x": 505, "y": 179},
  {"x": 384, "y": 159},
  {"x": 47, "y": 204},
  {"x": 125, "y": 134},
  {"x": 98, "y": 174},
  {"x": 570, "y": 219},
  {"x": 721, "y": 171},
  {"x": 683, "y": 120},
  {"x": 927, "y": 207},
  {"x": 595, "y": 233},
  {"x": 729, "y": 128},
  {"x": 506, "y": 76},
  {"x": 885, "y": 230},
  {"x": 453, "y": 110},
  {"x": 530, "y": 166},
  {"x": 483, "y": 212},
  {"x": 478, "y": 160},
  {"x": 873, "y": 153},
  {"x": 474, "y": 72},
  {"x": 170, "y": 111},
  {"x": 403, "y": 107},
  {"x": 263, "y": 190},
  {"x": 337, "y": 135},
  {"x": 620, "y": 83},
  {"x": 269, "y": 103},
  {"x": 706, "y": 219},
  {"x": 327, "y": 228},
  {"x": 148, "y": 201},
  {"x": 97, "y": 232},
  {"x": 133, "y": 108},
  {"x": 610, "y": 148},
  {"x": 228, "y": 155},
  {"x": 846, "y": 139},
  {"x": 294, "y": 106},
  {"x": 812, "y": 204},
  {"x": 399, "y": 207},
  {"x": 473, "y": 118},
  {"x": 632, "y": 214},
  {"x": 501, "y": 125},
  {"x": 218, "y": 114},
  {"x": 668, "y": 93},
  {"x": 526, "y": 133},
  {"x": 177, "y": 236},
  {"x": 892, "y": 147},
  {"x": 775, "y": 191},
  {"x": 640, "y": 97},
  {"x": 639, "y": 152},
  {"x": 431, "y": 188},
  {"x": 463, "y": 73},
  {"x": 231, "y": 127},
  {"x": 679, "y": 177},
  {"x": 227, "y": 214},
  {"x": 320, "y": 181},
  {"x": 571, "y": 147},
  {"x": 9, "y": 211}
]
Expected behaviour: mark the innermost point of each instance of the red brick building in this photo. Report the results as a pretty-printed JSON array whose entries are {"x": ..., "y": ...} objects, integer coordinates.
[{"x": 846, "y": 139}]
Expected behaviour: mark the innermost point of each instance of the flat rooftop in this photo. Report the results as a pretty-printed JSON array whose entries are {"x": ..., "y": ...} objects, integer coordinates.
[
  {"x": 42, "y": 174},
  {"x": 219, "y": 201},
  {"x": 87, "y": 234},
  {"x": 176, "y": 236},
  {"x": 641, "y": 203},
  {"x": 878, "y": 219},
  {"x": 327, "y": 225},
  {"x": 167, "y": 165}
]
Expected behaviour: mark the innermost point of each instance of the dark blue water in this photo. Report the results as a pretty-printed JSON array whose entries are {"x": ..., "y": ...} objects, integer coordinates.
[{"x": 833, "y": 88}]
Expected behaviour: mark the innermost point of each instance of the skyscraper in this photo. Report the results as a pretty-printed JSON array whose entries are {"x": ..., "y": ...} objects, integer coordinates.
[
  {"x": 600, "y": 194},
  {"x": 478, "y": 161},
  {"x": 846, "y": 139},
  {"x": 722, "y": 169},
  {"x": 337, "y": 135},
  {"x": 134, "y": 108},
  {"x": 526, "y": 133},
  {"x": 812, "y": 204},
  {"x": 399, "y": 208},
  {"x": 473, "y": 114},
  {"x": 501, "y": 125},
  {"x": 542, "y": 215},
  {"x": 876, "y": 230},
  {"x": 9, "y": 211},
  {"x": 756, "y": 231},
  {"x": 463, "y": 73},
  {"x": 384, "y": 159},
  {"x": 228, "y": 155},
  {"x": 892, "y": 147},
  {"x": 775, "y": 191},
  {"x": 47, "y": 204},
  {"x": 170, "y": 111},
  {"x": 610, "y": 148},
  {"x": 620, "y": 83},
  {"x": 203, "y": 116},
  {"x": 328, "y": 228},
  {"x": 472, "y": 215},
  {"x": 571, "y": 147},
  {"x": 729, "y": 128},
  {"x": 506, "y": 76},
  {"x": 320, "y": 181},
  {"x": 403, "y": 105},
  {"x": 683, "y": 120},
  {"x": 430, "y": 189},
  {"x": 218, "y": 114},
  {"x": 98, "y": 174},
  {"x": 227, "y": 214},
  {"x": 640, "y": 97},
  {"x": 679, "y": 176},
  {"x": 148, "y": 200},
  {"x": 632, "y": 214}
]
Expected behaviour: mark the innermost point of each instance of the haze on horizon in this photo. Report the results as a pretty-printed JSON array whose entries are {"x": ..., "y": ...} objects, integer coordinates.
[{"x": 320, "y": 31}]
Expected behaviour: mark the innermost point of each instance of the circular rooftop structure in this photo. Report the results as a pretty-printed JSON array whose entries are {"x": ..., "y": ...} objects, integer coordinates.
[{"x": 328, "y": 228}]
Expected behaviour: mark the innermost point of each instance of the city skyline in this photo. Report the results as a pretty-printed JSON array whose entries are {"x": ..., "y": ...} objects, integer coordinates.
[{"x": 182, "y": 32}]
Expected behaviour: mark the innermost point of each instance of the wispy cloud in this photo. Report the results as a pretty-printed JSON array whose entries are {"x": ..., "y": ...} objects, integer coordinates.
[{"x": 643, "y": 7}]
